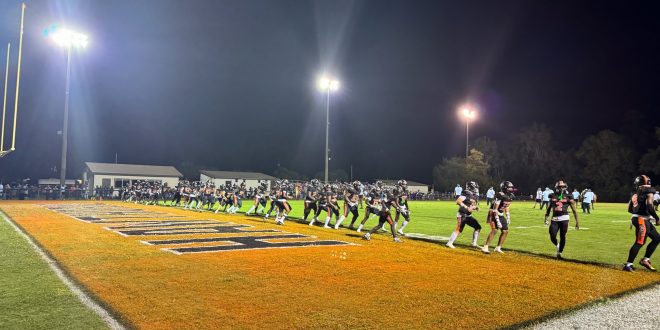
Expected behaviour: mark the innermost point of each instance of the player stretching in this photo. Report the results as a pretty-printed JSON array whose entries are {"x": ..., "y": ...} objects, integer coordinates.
[
  {"x": 641, "y": 207},
  {"x": 466, "y": 204},
  {"x": 499, "y": 216},
  {"x": 351, "y": 200},
  {"x": 381, "y": 207},
  {"x": 311, "y": 200},
  {"x": 560, "y": 200},
  {"x": 373, "y": 196}
]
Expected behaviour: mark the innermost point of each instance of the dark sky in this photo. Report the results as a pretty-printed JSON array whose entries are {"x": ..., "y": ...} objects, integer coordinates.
[{"x": 231, "y": 84}]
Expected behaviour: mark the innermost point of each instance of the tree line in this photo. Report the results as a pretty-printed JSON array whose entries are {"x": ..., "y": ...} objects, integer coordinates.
[{"x": 605, "y": 162}]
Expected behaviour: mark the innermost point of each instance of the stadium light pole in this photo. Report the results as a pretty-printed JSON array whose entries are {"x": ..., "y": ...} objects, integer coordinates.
[
  {"x": 468, "y": 112},
  {"x": 69, "y": 40},
  {"x": 327, "y": 85}
]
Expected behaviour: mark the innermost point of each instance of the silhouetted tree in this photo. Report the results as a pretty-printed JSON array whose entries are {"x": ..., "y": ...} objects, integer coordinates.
[{"x": 609, "y": 165}]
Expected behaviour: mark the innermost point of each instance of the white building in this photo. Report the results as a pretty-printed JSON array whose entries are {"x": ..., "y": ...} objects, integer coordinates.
[
  {"x": 222, "y": 178},
  {"x": 119, "y": 175},
  {"x": 413, "y": 187}
]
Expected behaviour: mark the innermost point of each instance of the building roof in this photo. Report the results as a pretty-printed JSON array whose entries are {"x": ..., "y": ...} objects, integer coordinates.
[
  {"x": 410, "y": 183},
  {"x": 133, "y": 170},
  {"x": 237, "y": 175}
]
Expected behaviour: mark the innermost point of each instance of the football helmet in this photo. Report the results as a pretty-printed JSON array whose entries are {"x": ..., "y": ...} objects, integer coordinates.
[{"x": 642, "y": 180}]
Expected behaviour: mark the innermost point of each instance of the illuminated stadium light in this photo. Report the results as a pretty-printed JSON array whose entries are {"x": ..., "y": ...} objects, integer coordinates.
[
  {"x": 68, "y": 39},
  {"x": 469, "y": 113},
  {"x": 327, "y": 84}
]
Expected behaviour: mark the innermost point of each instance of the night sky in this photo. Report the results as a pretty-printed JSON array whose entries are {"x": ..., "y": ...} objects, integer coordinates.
[{"x": 231, "y": 84}]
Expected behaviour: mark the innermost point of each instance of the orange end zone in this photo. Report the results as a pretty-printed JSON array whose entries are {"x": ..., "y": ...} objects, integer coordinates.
[{"x": 125, "y": 255}]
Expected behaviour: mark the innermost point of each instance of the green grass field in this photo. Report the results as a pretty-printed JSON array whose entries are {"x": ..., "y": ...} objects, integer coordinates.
[
  {"x": 32, "y": 297},
  {"x": 604, "y": 236}
]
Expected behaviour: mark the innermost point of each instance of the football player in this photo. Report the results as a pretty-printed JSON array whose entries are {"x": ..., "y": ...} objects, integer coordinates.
[
  {"x": 641, "y": 208},
  {"x": 381, "y": 207},
  {"x": 311, "y": 199},
  {"x": 351, "y": 201},
  {"x": 466, "y": 205},
  {"x": 499, "y": 217},
  {"x": 560, "y": 201}
]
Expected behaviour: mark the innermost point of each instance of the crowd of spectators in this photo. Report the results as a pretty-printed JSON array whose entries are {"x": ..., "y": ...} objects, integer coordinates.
[{"x": 26, "y": 191}]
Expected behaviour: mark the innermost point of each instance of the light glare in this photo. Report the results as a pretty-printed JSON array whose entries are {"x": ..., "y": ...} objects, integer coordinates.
[
  {"x": 68, "y": 38},
  {"x": 468, "y": 112},
  {"x": 327, "y": 84}
]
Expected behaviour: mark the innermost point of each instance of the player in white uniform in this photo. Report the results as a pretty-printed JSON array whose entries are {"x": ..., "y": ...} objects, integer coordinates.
[{"x": 537, "y": 200}]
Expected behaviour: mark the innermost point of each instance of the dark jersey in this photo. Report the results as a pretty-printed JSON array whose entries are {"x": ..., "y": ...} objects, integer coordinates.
[
  {"x": 559, "y": 204},
  {"x": 468, "y": 201},
  {"x": 637, "y": 204},
  {"x": 504, "y": 202},
  {"x": 310, "y": 194}
]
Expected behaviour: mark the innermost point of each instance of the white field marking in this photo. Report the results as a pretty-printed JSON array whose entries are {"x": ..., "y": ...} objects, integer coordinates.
[
  {"x": 84, "y": 298},
  {"x": 531, "y": 227},
  {"x": 439, "y": 238}
]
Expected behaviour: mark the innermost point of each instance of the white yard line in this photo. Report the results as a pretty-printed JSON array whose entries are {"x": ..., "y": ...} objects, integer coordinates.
[{"x": 84, "y": 298}]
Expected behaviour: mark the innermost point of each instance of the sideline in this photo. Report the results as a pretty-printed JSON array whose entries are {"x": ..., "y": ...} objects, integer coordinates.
[{"x": 82, "y": 296}]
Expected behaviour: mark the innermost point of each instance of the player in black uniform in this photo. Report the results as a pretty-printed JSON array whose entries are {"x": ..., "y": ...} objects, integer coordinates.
[
  {"x": 259, "y": 199},
  {"x": 560, "y": 200},
  {"x": 373, "y": 195},
  {"x": 381, "y": 207},
  {"x": 402, "y": 203},
  {"x": 311, "y": 199},
  {"x": 499, "y": 217},
  {"x": 351, "y": 201},
  {"x": 466, "y": 205},
  {"x": 332, "y": 206},
  {"x": 641, "y": 208},
  {"x": 282, "y": 202}
]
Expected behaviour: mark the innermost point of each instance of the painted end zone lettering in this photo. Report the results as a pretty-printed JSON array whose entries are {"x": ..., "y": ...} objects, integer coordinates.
[
  {"x": 128, "y": 222},
  {"x": 255, "y": 243}
]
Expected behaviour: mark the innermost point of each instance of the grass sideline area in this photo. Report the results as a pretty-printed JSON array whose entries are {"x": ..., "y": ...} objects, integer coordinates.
[
  {"x": 32, "y": 296},
  {"x": 322, "y": 287},
  {"x": 605, "y": 236}
]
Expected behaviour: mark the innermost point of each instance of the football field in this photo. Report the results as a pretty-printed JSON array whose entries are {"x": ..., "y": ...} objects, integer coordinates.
[{"x": 156, "y": 267}]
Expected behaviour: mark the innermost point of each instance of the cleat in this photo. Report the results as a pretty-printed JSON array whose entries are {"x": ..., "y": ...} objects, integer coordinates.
[
  {"x": 627, "y": 268},
  {"x": 366, "y": 237},
  {"x": 450, "y": 245},
  {"x": 359, "y": 230},
  {"x": 400, "y": 232},
  {"x": 336, "y": 227},
  {"x": 499, "y": 250},
  {"x": 485, "y": 250},
  {"x": 559, "y": 256},
  {"x": 326, "y": 226},
  {"x": 311, "y": 223},
  {"x": 647, "y": 264},
  {"x": 351, "y": 228},
  {"x": 476, "y": 246},
  {"x": 397, "y": 240}
]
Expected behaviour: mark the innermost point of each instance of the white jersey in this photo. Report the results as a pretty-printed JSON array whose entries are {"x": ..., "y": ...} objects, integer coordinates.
[
  {"x": 576, "y": 195},
  {"x": 546, "y": 195},
  {"x": 588, "y": 197},
  {"x": 539, "y": 195},
  {"x": 458, "y": 191},
  {"x": 490, "y": 193},
  {"x": 656, "y": 197}
]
